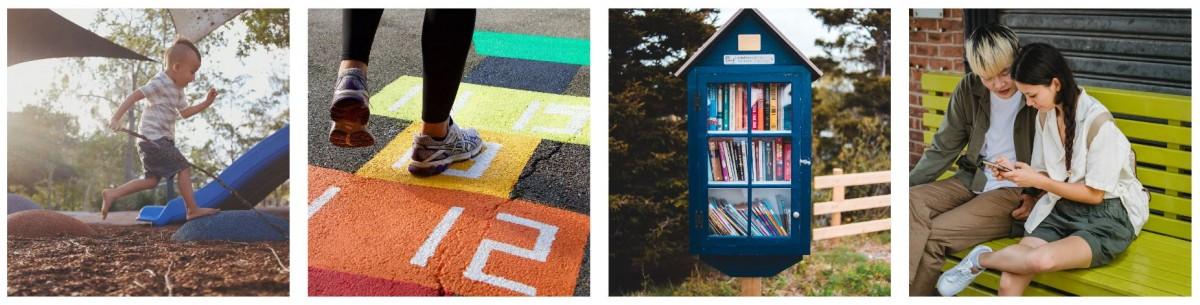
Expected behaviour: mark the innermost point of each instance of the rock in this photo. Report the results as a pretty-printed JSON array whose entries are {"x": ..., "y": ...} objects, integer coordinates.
[
  {"x": 17, "y": 203},
  {"x": 237, "y": 225},
  {"x": 43, "y": 223}
]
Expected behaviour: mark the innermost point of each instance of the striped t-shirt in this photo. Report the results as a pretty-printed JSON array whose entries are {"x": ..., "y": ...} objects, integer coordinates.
[{"x": 166, "y": 100}]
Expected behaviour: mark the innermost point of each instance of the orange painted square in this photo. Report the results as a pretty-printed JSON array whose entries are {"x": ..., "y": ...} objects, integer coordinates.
[{"x": 375, "y": 227}]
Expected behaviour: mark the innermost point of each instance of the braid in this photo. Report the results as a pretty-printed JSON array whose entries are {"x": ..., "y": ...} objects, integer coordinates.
[{"x": 1069, "y": 124}]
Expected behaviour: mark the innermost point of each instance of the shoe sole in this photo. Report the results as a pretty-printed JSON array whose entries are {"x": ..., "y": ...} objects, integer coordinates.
[
  {"x": 349, "y": 122},
  {"x": 424, "y": 169}
]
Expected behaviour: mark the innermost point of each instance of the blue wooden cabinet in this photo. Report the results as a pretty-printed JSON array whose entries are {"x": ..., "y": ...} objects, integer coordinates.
[{"x": 749, "y": 148}]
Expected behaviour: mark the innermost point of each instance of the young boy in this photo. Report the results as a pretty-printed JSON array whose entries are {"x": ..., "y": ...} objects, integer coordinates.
[{"x": 167, "y": 104}]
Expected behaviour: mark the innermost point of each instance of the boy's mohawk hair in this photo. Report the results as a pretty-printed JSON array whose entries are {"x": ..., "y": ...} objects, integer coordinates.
[{"x": 180, "y": 41}]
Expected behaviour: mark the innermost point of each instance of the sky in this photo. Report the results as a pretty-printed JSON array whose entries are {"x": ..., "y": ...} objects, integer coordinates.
[{"x": 26, "y": 79}]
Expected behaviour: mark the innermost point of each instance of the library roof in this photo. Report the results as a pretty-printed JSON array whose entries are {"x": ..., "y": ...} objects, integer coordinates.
[{"x": 728, "y": 24}]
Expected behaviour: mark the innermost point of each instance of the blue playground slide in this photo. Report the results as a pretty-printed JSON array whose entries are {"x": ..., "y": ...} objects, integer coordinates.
[{"x": 254, "y": 175}]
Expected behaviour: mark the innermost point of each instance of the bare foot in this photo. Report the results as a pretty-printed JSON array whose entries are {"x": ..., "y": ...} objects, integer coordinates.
[
  {"x": 200, "y": 212},
  {"x": 106, "y": 203}
]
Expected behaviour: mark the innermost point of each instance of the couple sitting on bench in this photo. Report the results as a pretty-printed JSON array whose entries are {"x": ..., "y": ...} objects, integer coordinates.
[{"x": 1043, "y": 160}]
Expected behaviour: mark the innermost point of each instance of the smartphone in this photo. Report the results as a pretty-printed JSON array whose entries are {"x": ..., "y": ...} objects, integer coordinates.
[{"x": 996, "y": 166}]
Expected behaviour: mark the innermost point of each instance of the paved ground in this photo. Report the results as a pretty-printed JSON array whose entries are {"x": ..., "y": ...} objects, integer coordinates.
[{"x": 514, "y": 221}]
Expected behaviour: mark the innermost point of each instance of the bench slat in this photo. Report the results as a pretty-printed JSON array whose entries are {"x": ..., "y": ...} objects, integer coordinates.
[
  {"x": 1169, "y": 227},
  {"x": 1163, "y": 156},
  {"x": 1155, "y": 132},
  {"x": 935, "y": 103},
  {"x": 1164, "y": 179},
  {"x": 939, "y": 82},
  {"x": 1145, "y": 104},
  {"x": 1139, "y": 103},
  {"x": 1171, "y": 204}
]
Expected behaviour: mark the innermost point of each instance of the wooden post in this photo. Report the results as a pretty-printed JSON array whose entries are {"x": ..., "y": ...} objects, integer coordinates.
[
  {"x": 839, "y": 195},
  {"x": 751, "y": 286}
]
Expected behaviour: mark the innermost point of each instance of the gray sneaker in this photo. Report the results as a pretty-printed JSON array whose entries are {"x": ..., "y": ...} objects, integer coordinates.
[
  {"x": 350, "y": 110},
  {"x": 432, "y": 157}
]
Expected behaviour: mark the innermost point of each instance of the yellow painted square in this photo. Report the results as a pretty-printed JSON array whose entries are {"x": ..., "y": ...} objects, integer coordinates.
[{"x": 508, "y": 154}]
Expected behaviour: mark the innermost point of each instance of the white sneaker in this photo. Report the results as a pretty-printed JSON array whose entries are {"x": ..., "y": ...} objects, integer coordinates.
[
  {"x": 958, "y": 278},
  {"x": 432, "y": 157}
]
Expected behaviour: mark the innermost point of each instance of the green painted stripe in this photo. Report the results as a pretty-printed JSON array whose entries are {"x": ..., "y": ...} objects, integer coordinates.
[
  {"x": 548, "y": 116},
  {"x": 532, "y": 47}
]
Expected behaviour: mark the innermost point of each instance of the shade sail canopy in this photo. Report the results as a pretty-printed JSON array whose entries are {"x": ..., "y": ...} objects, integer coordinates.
[
  {"x": 195, "y": 24},
  {"x": 40, "y": 33}
]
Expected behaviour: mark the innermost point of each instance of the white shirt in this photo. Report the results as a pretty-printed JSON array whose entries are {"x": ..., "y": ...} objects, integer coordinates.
[
  {"x": 998, "y": 140},
  {"x": 166, "y": 100},
  {"x": 1103, "y": 166}
]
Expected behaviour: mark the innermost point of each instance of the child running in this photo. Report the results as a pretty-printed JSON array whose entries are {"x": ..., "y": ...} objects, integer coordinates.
[{"x": 167, "y": 104}]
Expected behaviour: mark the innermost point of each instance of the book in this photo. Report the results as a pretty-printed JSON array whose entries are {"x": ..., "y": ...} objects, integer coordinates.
[
  {"x": 766, "y": 220},
  {"x": 787, "y": 161},
  {"x": 725, "y": 218},
  {"x": 785, "y": 101},
  {"x": 714, "y": 159},
  {"x": 775, "y": 108},
  {"x": 710, "y": 104}
]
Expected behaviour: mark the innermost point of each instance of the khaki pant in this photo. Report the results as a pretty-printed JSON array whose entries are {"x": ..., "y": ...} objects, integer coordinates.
[{"x": 946, "y": 217}]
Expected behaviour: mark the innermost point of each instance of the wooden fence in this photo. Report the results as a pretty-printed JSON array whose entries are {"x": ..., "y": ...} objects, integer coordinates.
[{"x": 838, "y": 182}]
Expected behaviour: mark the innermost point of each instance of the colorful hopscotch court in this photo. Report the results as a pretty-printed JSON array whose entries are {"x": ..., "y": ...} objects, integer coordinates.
[{"x": 378, "y": 230}]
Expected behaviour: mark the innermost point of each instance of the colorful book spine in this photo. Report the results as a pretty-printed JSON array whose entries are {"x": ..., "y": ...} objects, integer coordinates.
[
  {"x": 714, "y": 158},
  {"x": 774, "y": 106},
  {"x": 787, "y": 161},
  {"x": 786, "y": 99},
  {"x": 779, "y": 159}
]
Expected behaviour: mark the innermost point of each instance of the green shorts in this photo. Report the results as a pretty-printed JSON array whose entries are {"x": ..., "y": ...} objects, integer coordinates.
[{"x": 1105, "y": 227}]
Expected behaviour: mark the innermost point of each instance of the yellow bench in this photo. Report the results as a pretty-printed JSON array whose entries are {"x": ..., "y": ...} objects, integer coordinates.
[{"x": 1159, "y": 262}]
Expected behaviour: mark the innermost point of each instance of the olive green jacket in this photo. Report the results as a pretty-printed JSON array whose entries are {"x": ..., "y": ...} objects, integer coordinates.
[{"x": 966, "y": 124}]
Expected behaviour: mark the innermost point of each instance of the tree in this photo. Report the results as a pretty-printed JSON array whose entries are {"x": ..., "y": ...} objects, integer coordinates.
[
  {"x": 860, "y": 54},
  {"x": 648, "y": 142},
  {"x": 851, "y": 110}
]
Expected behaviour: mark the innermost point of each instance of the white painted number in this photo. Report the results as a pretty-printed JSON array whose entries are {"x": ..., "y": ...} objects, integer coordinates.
[
  {"x": 578, "y": 118},
  {"x": 474, "y": 271},
  {"x": 540, "y": 251},
  {"x": 430, "y": 246},
  {"x": 321, "y": 201}
]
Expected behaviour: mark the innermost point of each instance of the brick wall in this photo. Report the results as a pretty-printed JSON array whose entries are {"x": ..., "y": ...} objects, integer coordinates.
[{"x": 934, "y": 45}]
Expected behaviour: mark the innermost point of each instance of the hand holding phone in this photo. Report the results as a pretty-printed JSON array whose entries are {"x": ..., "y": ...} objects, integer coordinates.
[{"x": 996, "y": 166}]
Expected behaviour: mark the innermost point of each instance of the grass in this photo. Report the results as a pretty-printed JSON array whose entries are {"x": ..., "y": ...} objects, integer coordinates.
[{"x": 849, "y": 266}]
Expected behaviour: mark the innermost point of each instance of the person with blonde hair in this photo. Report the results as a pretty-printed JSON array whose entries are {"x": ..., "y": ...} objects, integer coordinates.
[{"x": 987, "y": 117}]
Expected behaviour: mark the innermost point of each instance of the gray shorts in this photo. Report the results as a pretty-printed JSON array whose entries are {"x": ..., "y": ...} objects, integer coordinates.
[
  {"x": 1105, "y": 227},
  {"x": 161, "y": 159}
]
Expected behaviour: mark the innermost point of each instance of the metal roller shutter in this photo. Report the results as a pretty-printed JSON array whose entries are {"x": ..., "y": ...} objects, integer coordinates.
[{"x": 1144, "y": 50}]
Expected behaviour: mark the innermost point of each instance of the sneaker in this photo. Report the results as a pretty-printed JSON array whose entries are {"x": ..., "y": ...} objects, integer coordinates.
[
  {"x": 432, "y": 157},
  {"x": 958, "y": 278},
  {"x": 350, "y": 110}
]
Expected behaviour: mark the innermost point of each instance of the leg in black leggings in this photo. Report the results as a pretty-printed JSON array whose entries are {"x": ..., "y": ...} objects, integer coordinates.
[
  {"x": 445, "y": 41},
  {"x": 358, "y": 33}
]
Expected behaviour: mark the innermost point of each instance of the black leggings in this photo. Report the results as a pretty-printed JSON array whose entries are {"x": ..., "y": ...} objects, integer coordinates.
[{"x": 445, "y": 41}]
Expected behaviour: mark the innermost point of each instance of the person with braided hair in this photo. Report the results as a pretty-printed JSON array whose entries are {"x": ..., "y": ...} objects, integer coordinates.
[{"x": 1091, "y": 205}]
